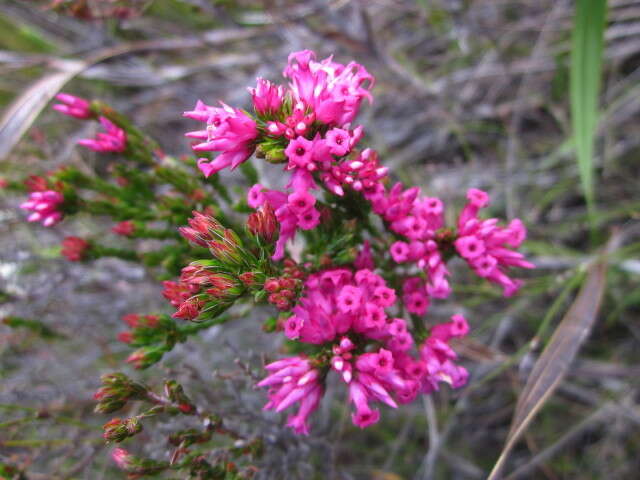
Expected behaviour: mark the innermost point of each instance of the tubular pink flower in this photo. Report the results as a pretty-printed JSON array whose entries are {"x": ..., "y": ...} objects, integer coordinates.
[
  {"x": 293, "y": 380},
  {"x": 332, "y": 90},
  {"x": 267, "y": 97},
  {"x": 438, "y": 356},
  {"x": 364, "y": 260},
  {"x": 44, "y": 207},
  {"x": 229, "y": 131},
  {"x": 72, "y": 106},
  {"x": 114, "y": 139}
]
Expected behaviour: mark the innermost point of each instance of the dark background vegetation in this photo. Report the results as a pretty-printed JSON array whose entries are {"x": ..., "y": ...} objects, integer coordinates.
[{"x": 469, "y": 94}]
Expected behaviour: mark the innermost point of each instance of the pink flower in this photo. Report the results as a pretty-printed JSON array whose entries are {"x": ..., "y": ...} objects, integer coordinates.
[
  {"x": 292, "y": 326},
  {"x": 114, "y": 139},
  {"x": 300, "y": 152},
  {"x": 333, "y": 91},
  {"x": 44, "y": 206},
  {"x": 400, "y": 251},
  {"x": 364, "y": 260},
  {"x": 229, "y": 131},
  {"x": 267, "y": 97},
  {"x": 338, "y": 141},
  {"x": 72, "y": 106},
  {"x": 349, "y": 299},
  {"x": 301, "y": 201},
  {"x": 337, "y": 301},
  {"x": 309, "y": 219},
  {"x": 122, "y": 458},
  {"x": 469, "y": 247},
  {"x": 255, "y": 198},
  {"x": 364, "y": 414},
  {"x": 293, "y": 380},
  {"x": 484, "y": 244},
  {"x": 439, "y": 358}
]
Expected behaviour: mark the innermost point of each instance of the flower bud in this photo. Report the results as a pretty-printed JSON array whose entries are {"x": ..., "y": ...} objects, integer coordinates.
[
  {"x": 126, "y": 228},
  {"x": 74, "y": 248},
  {"x": 272, "y": 285},
  {"x": 117, "y": 430},
  {"x": 175, "y": 392},
  {"x": 145, "y": 357},
  {"x": 263, "y": 223}
]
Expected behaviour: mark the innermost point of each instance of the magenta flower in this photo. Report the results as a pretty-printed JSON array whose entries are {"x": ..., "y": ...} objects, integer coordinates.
[
  {"x": 72, "y": 106},
  {"x": 229, "y": 131},
  {"x": 45, "y": 207},
  {"x": 114, "y": 139},
  {"x": 439, "y": 357},
  {"x": 267, "y": 97},
  {"x": 300, "y": 153},
  {"x": 485, "y": 245},
  {"x": 293, "y": 380},
  {"x": 338, "y": 141},
  {"x": 333, "y": 91}
]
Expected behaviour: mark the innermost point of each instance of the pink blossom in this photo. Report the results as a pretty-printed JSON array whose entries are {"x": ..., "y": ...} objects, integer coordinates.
[
  {"x": 293, "y": 380},
  {"x": 338, "y": 141},
  {"x": 267, "y": 97},
  {"x": 333, "y": 91},
  {"x": 364, "y": 414},
  {"x": 255, "y": 198},
  {"x": 484, "y": 244},
  {"x": 400, "y": 251},
  {"x": 72, "y": 106},
  {"x": 229, "y": 131},
  {"x": 114, "y": 139},
  {"x": 301, "y": 201},
  {"x": 439, "y": 357},
  {"x": 300, "y": 152},
  {"x": 337, "y": 301},
  {"x": 45, "y": 207},
  {"x": 364, "y": 260}
]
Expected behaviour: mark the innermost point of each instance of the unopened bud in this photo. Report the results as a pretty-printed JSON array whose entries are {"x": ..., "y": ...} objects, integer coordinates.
[
  {"x": 117, "y": 430},
  {"x": 263, "y": 223}
]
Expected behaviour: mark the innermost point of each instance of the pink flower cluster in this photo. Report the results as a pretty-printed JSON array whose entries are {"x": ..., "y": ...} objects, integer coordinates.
[
  {"x": 418, "y": 219},
  {"x": 345, "y": 312},
  {"x": 114, "y": 139},
  {"x": 45, "y": 207},
  {"x": 485, "y": 245},
  {"x": 307, "y": 126}
]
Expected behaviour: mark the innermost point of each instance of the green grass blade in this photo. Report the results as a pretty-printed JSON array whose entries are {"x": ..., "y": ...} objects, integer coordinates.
[{"x": 586, "y": 72}]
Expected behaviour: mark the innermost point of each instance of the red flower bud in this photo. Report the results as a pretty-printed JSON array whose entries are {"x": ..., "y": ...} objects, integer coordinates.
[
  {"x": 263, "y": 223},
  {"x": 125, "y": 228},
  {"x": 272, "y": 285},
  {"x": 126, "y": 336},
  {"x": 35, "y": 183},
  {"x": 131, "y": 319},
  {"x": 74, "y": 248}
]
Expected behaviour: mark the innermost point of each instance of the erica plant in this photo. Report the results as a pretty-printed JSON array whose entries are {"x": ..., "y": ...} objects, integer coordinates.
[{"x": 349, "y": 262}]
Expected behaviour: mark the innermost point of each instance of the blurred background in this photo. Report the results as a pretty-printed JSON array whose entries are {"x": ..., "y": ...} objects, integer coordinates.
[{"x": 471, "y": 93}]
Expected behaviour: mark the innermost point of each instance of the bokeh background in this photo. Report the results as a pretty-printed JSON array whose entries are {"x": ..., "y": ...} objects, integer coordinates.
[{"x": 468, "y": 94}]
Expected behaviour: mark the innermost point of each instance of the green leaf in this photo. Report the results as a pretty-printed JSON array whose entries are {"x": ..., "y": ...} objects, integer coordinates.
[{"x": 586, "y": 72}]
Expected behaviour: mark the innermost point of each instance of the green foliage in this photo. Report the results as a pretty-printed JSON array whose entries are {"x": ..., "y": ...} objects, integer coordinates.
[{"x": 586, "y": 73}]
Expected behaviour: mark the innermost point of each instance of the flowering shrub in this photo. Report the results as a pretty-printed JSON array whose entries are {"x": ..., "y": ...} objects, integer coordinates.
[{"x": 352, "y": 297}]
